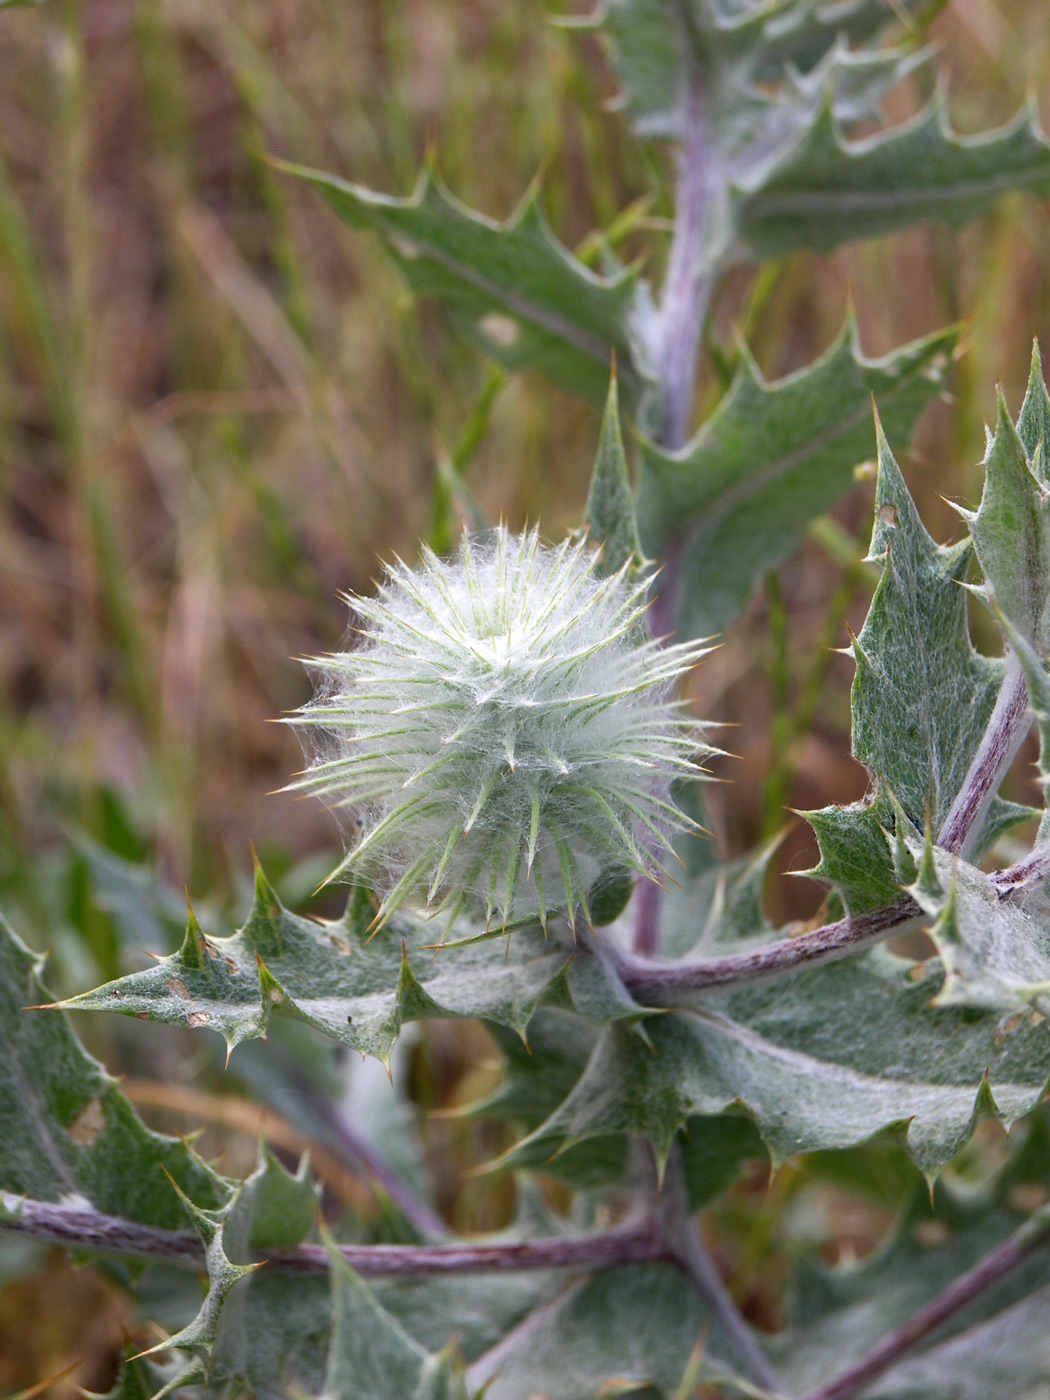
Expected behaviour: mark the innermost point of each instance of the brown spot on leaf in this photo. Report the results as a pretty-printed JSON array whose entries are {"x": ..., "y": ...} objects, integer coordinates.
[
  {"x": 86, "y": 1127},
  {"x": 501, "y": 330}
]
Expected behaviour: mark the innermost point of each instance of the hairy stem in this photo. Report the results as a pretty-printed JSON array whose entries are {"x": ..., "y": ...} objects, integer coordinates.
[
  {"x": 683, "y": 307},
  {"x": 1026, "y": 874},
  {"x": 81, "y": 1227},
  {"x": 1002, "y": 738},
  {"x": 659, "y": 983},
  {"x": 687, "y": 288},
  {"x": 987, "y": 1272},
  {"x": 686, "y": 1246}
]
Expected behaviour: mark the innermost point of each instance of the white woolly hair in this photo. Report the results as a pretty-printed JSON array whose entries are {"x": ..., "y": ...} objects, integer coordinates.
[{"x": 503, "y": 733}]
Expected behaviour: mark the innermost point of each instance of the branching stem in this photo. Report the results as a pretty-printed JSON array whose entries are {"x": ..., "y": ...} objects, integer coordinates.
[
  {"x": 984, "y": 1275},
  {"x": 82, "y": 1228},
  {"x": 660, "y": 983},
  {"x": 1026, "y": 874},
  {"x": 686, "y": 1246}
]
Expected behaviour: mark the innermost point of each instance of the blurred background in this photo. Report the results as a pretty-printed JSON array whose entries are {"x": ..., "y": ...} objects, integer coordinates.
[{"x": 219, "y": 409}]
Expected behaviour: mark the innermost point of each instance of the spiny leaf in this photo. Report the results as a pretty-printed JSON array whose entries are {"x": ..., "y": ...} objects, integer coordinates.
[
  {"x": 823, "y": 1060},
  {"x": 922, "y": 696},
  {"x": 994, "y": 1347},
  {"x": 738, "y": 498},
  {"x": 921, "y": 700},
  {"x": 352, "y": 987},
  {"x": 597, "y": 1339},
  {"x": 512, "y": 288},
  {"x": 739, "y": 51},
  {"x": 273, "y": 1209},
  {"x": 995, "y": 948},
  {"x": 223, "y": 1276},
  {"x": 1011, "y": 529},
  {"x": 609, "y": 514},
  {"x": 65, "y": 1127},
  {"x": 855, "y": 857},
  {"x": 371, "y": 1353},
  {"x": 826, "y": 190},
  {"x": 1033, "y": 424},
  {"x": 536, "y": 1081}
]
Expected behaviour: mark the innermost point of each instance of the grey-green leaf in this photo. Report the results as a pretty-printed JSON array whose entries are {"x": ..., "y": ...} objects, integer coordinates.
[
  {"x": 993, "y": 1347},
  {"x": 65, "y": 1127},
  {"x": 822, "y": 1060},
  {"x": 351, "y": 986},
  {"x": 739, "y": 497},
  {"x": 371, "y": 1353},
  {"x": 609, "y": 514},
  {"x": 512, "y": 288},
  {"x": 826, "y": 190},
  {"x": 1011, "y": 529},
  {"x": 995, "y": 946},
  {"x": 922, "y": 696},
  {"x": 599, "y": 1339},
  {"x": 739, "y": 51},
  {"x": 1033, "y": 424}
]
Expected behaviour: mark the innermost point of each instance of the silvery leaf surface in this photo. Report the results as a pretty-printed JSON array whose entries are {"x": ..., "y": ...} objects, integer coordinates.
[
  {"x": 1011, "y": 528},
  {"x": 740, "y": 50},
  {"x": 921, "y": 700},
  {"x": 825, "y": 1059},
  {"x": 996, "y": 1346},
  {"x": 357, "y": 988},
  {"x": 66, "y": 1130},
  {"x": 994, "y": 944},
  {"x": 738, "y": 498}
]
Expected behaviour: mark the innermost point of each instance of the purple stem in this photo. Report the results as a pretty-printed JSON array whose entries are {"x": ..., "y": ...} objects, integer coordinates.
[
  {"x": 994, "y": 1266},
  {"x": 687, "y": 286},
  {"x": 683, "y": 308},
  {"x": 686, "y": 1246},
  {"x": 659, "y": 983},
  {"x": 1003, "y": 737},
  {"x": 83, "y": 1228},
  {"x": 1033, "y": 870}
]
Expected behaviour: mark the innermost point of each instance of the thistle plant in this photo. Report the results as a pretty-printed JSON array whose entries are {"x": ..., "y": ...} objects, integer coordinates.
[{"x": 504, "y": 734}]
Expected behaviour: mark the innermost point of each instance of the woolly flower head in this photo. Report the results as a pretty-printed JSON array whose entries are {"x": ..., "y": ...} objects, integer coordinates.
[{"x": 503, "y": 735}]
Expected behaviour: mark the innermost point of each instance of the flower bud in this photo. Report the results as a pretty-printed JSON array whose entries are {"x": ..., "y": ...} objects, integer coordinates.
[{"x": 503, "y": 733}]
